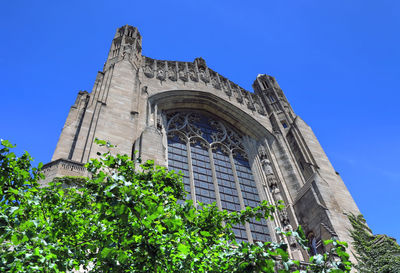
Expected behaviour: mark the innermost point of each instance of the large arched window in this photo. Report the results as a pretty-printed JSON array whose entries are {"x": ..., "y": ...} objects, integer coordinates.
[{"x": 215, "y": 166}]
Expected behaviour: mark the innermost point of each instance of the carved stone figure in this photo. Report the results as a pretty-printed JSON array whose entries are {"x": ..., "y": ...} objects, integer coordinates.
[
  {"x": 183, "y": 76},
  {"x": 203, "y": 75},
  {"x": 284, "y": 217},
  {"x": 226, "y": 88},
  {"x": 193, "y": 76},
  {"x": 172, "y": 75},
  {"x": 236, "y": 92},
  {"x": 271, "y": 180},
  {"x": 291, "y": 238},
  {"x": 215, "y": 82},
  {"x": 161, "y": 74},
  {"x": 277, "y": 193},
  {"x": 245, "y": 99},
  {"x": 148, "y": 71},
  {"x": 251, "y": 106},
  {"x": 267, "y": 166}
]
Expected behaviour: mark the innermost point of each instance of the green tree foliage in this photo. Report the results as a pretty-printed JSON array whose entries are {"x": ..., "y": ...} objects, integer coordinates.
[
  {"x": 374, "y": 253},
  {"x": 124, "y": 220}
]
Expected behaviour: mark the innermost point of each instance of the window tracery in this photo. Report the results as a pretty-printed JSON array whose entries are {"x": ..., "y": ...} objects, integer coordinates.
[
  {"x": 195, "y": 127},
  {"x": 215, "y": 167}
]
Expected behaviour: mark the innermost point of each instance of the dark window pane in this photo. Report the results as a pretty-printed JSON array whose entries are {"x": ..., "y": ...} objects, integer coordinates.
[
  {"x": 209, "y": 130},
  {"x": 259, "y": 229}
]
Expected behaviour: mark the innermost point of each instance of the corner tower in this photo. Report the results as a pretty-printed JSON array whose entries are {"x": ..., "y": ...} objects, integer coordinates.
[
  {"x": 127, "y": 43},
  {"x": 318, "y": 195},
  {"x": 109, "y": 110}
]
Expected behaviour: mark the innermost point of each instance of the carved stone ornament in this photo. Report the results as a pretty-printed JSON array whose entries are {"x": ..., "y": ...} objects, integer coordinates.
[
  {"x": 258, "y": 104},
  {"x": 183, "y": 76},
  {"x": 267, "y": 166},
  {"x": 271, "y": 181},
  {"x": 221, "y": 136},
  {"x": 125, "y": 53},
  {"x": 148, "y": 71},
  {"x": 225, "y": 87},
  {"x": 291, "y": 238},
  {"x": 193, "y": 75},
  {"x": 144, "y": 90},
  {"x": 215, "y": 83},
  {"x": 159, "y": 123},
  {"x": 172, "y": 75},
  {"x": 203, "y": 75},
  {"x": 283, "y": 216},
  {"x": 160, "y": 74},
  {"x": 236, "y": 93},
  {"x": 250, "y": 106}
]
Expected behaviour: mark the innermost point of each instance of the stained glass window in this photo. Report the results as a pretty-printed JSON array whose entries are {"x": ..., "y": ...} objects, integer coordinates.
[{"x": 216, "y": 166}]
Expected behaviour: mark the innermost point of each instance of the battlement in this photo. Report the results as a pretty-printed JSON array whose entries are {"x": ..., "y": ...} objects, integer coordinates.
[
  {"x": 129, "y": 31},
  {"x": 197, "y": 71}
]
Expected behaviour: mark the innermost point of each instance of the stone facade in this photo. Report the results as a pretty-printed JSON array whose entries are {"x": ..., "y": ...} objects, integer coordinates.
[{"x": 128, "y": 106}]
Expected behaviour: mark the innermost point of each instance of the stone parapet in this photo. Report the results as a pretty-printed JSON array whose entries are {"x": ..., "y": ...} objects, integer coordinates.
[
  {"x": 62, "y": 167},
  {"x": 197, "y": 72}
]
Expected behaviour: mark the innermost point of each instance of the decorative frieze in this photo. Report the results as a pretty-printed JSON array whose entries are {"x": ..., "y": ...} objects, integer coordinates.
[{"x": 197, "y": 71}]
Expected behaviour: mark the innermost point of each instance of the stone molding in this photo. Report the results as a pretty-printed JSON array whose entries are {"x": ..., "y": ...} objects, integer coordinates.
[
  {"x": 198, "y": 71},
  {"x": 62, "y": 167}
]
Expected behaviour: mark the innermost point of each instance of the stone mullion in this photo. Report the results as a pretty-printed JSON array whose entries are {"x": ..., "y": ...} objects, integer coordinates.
[
  {"x": 191, "y": 177},
  {"x": 239, "y": 191},
  {"x": 214, "y": 176}
]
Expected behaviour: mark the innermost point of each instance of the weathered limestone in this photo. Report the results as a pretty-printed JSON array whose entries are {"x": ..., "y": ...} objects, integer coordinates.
[
  {"x": 62, "y": 167},
  {"x": 132, "y": 95}
]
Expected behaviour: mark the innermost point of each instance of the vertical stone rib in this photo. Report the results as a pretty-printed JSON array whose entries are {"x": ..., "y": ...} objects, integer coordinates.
[
  {"x": 191, "y": 178},
  {"x": 214, "y": 176},
  {"x": 95, "y": 116}
]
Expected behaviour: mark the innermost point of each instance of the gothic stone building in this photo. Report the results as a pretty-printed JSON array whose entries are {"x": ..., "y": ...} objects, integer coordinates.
[{"x": 233, "y": 146}]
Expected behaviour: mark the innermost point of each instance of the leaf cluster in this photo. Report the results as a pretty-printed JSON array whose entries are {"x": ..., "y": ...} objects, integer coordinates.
[
  {"x": 126, "y": 218},
  {"x": 374, "y": 253}
]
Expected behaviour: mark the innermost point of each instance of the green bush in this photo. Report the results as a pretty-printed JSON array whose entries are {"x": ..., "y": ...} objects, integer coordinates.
[{"x": 125, "y": 220}]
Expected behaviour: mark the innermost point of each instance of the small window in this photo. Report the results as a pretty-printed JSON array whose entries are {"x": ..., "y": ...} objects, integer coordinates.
[
  {"x": 284, "y": 124},
  {"x": 271, "y": 98},
  {"x": 265, "y": 84}
]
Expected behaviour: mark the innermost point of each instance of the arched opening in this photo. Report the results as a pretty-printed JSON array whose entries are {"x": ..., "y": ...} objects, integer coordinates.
[
  {"x": 215, "y": 166},
  {"x": 208, "y": 140}
]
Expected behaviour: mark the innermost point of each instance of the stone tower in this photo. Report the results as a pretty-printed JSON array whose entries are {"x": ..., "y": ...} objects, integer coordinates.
[{"x": 234, "y": 147}]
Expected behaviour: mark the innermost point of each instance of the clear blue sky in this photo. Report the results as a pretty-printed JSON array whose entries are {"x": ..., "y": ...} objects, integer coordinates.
[{"x": 337, "y": 62}]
